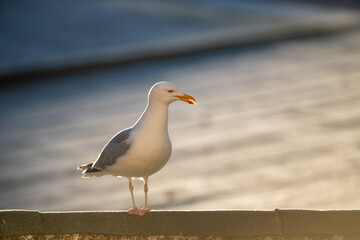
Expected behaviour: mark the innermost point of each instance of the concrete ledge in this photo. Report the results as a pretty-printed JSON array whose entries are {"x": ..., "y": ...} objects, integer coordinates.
[
  {"x": 299, "y": 222},
  {"x": 244, "y": 224}
]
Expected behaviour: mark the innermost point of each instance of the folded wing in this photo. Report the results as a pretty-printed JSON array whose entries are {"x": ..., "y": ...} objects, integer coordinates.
[{"x": 115, "y": 148}]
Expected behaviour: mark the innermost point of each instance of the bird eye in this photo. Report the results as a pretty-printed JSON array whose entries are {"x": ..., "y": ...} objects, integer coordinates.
[{"x": 170, "y": 91}]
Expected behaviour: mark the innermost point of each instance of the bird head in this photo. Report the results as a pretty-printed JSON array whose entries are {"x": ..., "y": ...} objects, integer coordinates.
[{"x": 167, "y": 93}]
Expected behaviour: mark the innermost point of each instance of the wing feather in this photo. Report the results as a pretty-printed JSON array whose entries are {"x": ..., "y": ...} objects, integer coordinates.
[{"x": 115, "y": 148}]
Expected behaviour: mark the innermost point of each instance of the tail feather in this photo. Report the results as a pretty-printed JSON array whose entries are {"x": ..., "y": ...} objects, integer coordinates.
[
  {"x": 85, "y": 166},
  {"x": 89, "y": 171}
]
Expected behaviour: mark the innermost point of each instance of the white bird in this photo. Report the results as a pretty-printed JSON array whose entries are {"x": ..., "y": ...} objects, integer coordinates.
[{"x": 143, "y": 149}]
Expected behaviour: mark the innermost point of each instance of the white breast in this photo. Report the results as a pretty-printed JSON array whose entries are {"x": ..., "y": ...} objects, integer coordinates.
[
  {"x": 150, "y": 147},
  {"x": 147, "y": 155}
]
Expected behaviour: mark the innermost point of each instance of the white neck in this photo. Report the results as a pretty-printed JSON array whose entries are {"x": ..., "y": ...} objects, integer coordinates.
[{"x": 154, "y": 118}]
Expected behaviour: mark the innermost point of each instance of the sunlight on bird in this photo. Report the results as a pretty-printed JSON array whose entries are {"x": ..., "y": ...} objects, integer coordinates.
[{"x": 143, "y": 149}]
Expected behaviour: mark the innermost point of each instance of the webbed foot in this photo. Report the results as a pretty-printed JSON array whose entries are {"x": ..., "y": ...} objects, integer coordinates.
[{"x": 138, "y": 211}]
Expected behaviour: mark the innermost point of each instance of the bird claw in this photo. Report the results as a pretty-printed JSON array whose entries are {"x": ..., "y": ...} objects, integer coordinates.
[{"x": 138, "y": 211}]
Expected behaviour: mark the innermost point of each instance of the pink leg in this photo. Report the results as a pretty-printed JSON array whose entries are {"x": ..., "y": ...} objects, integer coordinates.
[
  {"x": 135, "y": 210},
  {"x": 146, "y": 189}
]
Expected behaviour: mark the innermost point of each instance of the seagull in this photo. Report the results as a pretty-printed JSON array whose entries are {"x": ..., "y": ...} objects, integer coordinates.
[{"x": 143, "y": 149}]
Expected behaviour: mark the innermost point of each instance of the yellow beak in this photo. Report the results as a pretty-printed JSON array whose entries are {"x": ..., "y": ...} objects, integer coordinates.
[{"x": 187, "y": 98}]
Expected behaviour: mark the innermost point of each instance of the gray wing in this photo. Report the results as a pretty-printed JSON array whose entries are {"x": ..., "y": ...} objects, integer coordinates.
[{"x": 115, "y": 148}]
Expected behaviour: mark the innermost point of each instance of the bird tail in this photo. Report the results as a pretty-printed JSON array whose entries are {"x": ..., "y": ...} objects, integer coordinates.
[
  {"x": 89, "y": 171},
  {"x": 85, "y": 166}
]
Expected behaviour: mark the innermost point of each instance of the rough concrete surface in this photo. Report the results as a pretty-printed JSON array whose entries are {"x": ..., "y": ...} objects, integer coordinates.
[
  {"x": 162, "y": 237},
  {"x": 175, "y": 237}
]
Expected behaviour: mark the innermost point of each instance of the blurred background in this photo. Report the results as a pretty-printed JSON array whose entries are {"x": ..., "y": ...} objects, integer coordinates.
[{"x": 277, "y": 124}]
